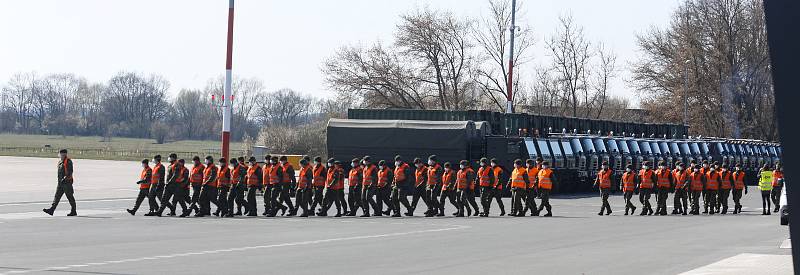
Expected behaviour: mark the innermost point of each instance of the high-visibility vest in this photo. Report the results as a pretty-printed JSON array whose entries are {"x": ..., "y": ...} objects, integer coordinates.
[
  {"x": 433, "y": 178},
  {"x": 696, "y": 181},
  {"x": 518, "y": 178},
  {"x": 287, "y": 178},
  {"x": 628, "y": 182},
  {"x": 367, "y": 177},
  {"x": 224, "y": 176},
  {"x": 145, "y": 172},
  {"x": 252, "y": 176},
  {"x": 156, "y": 177},
  {"x": 712, "y": 180},
  {"x": 400, "y": 173},
  {"x": 776, "y": 177},
  {"x": 533, "y": 172},
  {"x": 236, "y": 174},
  {"x": 273, "y": 174},
  {"x": 463, "y": 177},
  {"x": 604, "y": 177},
  {"x": 546, "y": 179},
  {"x": 303, "y": 181},
  {"x": 196, "y": 175},
  {"x": 354, "y": 177},
  {"x": 484, "y": 176},
  {"x": 738, "y": 180},
  {"x": 383, "y": 176},
  {"x": 726, "y": 180},
  {"x": 419, "y": 176},
  {"x": 210, "y": 170},
  {"x": 498, "y": 171},
  {"x": 181, "y": 178},
  {"x": 447, "y": 179},
  {"x": 662, "y": 178},
  {"x": 330, "y": 177},
  {"x": 319, "y": 179},
  {"x": 265, "y": 174},
  {"x": 680, "y": 177},
  {"x": 646, "y": 179},
  {"x": 766, "y": 180}
]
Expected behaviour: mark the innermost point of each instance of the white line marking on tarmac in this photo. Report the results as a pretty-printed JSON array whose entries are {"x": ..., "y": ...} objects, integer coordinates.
[
  {"x": 246, "y": 248},
  {"x": 747, "y": 263},
  {"x": 47, "y": 203}
]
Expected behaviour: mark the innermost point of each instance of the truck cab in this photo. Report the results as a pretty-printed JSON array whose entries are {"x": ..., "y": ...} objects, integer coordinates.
[
  {"x": 704, "y": 150},
  {"x": 647, "y": 152},
  {"x": 627, "y": 156},
  {"x": 695, "y": 149},
  {"x": 602, "y": 151},
  {"x": 636, "y": 153},
  {"x": 665, "y": 151},
  {"x": 591, "y": 154},
  {"x": 558, "y": 155},
  {"x": 773, "y": 152},
  {"x": 547, "y": 155},
  {"x": 659, "y": 157},
  {"x": 733, "y": 155},
  {"x": 745, "y": 157},
  {"x": 532, "y": 151},
  {"x": 571, "y": 161},
  {"x": 676, "y": 152},
  {"x": 686, "y": 152}
]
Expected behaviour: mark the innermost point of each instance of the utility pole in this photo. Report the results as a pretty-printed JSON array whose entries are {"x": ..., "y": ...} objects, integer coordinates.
[
  {"x": 227, "y": 98},
  {"x": 686, "y": 92},
  {"x": 510, "y": 84}
]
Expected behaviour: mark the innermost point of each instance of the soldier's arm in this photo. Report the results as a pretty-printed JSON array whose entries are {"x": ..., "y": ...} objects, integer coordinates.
[
  {"x": 68, "y": 174},
  {"x": 242, "y": 175},
  {"x": 213, "y": 176},
  {"x": 526, "y": 179},
  {"x": 309, "y": 179},
  {"x": 290, "y": 174},
  {"x": 259, "y": 176}
]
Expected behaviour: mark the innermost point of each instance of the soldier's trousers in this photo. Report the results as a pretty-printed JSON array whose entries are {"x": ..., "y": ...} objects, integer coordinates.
[
  {"x": 661, "y": 200},
  {"x": 545, "y": 195},
  {"x": 644, "y": 198},
  {"x": 447, "y": 195},
  {"x": 236, "y": 198},
  {"x": 354, "y": 197},
  {"x": 222, "y": 200},
  {"x": 383, "y": 197},
  {"x": 267, "y": 197},
  {"x": 776, "y": 196},
  {"x": 208, "y": 195},
  {"x": 302, "y": 198},
  {"x": 169, "y": 192},
  {"x": 680, "y": 201},
  {"x": 280, "y": 196},
  {"x": 498, "y": 196},
  {"x": 737, "y": 197},
  {"x": 604, "y": 193},
  {"x": 696, "y": 201},
  {"x": 530, "y": 201},
  {"x": 419, "y": 192},
  {"x": 723, "y": 198},
  {"x": 516, "y": 199},
  {"x": 399, "y": 196},
  {"x": 710, "y": 200},
  {"x": 486, "y": 198},
  {"x": 318, "y": 199},
  {"x": 334, "y": 196},
  {"x": 368, "y": 199},
  {"x": 156, "y": 191},
  {"x": 433, "y": 201},
  {"x": 251, "y": 200},
  {"x": 628, "y": 197},
  {"x": 196, "y": 189},
  {"x": 470, "y": 200},
  {"x": 143, "y": 193},
  {"x": 463, "y": 198}
]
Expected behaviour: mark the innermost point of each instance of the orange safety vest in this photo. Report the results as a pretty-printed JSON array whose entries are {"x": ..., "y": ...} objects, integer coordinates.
[
  {"x": 726, "y": 180},
  {"x": 462, "y": 178},
  {"x": 696, "y": 181},
  {"x": 366, "y": 178},
  {"x": 156, "y": 177},
  {"x": 143, "y": 176},
  {"x": 483, "y": 173},
  {"x": 546, "y": 179},
  {"x": 712, "y": 180},
  {"x": 329, "y": 178},
  {"x": 776, "y": 175},
  {"x": 208, "y": 172},
  {"x": 662, "y": 178},
  {"x": 180, "y": 177},
  {"x": 400, "y": 172},
  {"x": 738, "y": 180},
  {"x": 303, "y": 181},
  {"x": 235, "y": 174},
  {"x": 252, "y": 176},
  {"x": 518, "y": 178},
  {"x": 497, "y": 172},
  {"x": 224, "y": 177},
  {"x": 680, "y": 178},
  {"x": 196, "y": 175},
  {"x": 533, "y": 172},
  {"x": 319, "y": 179},
  {"x": 646, "y": 178},
  {"x": 273, "y": 174},
  {"x": 433, "y": 180},
  {"x": 447, "y": 179},
  {"x": 604, "y": 178},
  {"x": 265, "y": 174},
  {"x": 286, "y": 177},
  {"x": 354, "y": 178},
  {"x": 628, "y": 182},
  {"x": 383, "y": 176},
  {"x": 419, "y": 175}
]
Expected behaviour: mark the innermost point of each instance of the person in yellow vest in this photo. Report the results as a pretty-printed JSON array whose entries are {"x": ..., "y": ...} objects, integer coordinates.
[
  {"x": 533, "y": 172},
  {"x": 628, "y": 187},
  {"x": 765, "y": 184},
  {"x": 777, "y": 186},
  {"x": 739, "y": 180},
  {"x": 681, "y": 186},
  {"x": 519, "y": 183},
  {"x": 603, "y": 182},
  {"x": 544, "y": 182},
  {"x": 663, "y": 187},
  {"x": 647, "y": 179}
]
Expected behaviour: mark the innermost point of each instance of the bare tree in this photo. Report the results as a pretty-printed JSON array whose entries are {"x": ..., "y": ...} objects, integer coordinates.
[
  {"x": 18, "y": 95},
  {"x": 247, "y": 93},
  {"x": 492, "y": 37},
  {"x": 134, "y": 102},
  {"x": 285, "y": 107},
  {"x": 191, "y": 112}
]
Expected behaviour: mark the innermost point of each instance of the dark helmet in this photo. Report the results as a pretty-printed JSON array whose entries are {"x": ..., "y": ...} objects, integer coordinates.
[{"x": 145, "y": 161}]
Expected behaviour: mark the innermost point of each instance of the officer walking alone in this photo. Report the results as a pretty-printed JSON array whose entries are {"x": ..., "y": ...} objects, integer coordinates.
[{"x": 64, "y": 186}]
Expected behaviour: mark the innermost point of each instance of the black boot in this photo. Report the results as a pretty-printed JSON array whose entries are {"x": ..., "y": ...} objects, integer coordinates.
[
  {"x": 132, "y": 212},
  {"x": 49, "y": 211}
]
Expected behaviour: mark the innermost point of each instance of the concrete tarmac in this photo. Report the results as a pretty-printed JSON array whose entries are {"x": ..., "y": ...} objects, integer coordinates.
[{"x": 104, "y": 239}]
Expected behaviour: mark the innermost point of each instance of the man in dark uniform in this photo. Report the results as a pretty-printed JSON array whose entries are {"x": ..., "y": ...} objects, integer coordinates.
[
  {"x": 170, "y": 186},
  {"x": 144, "y": 186},
  {"x": 368, "y": 183},
  {"x": 334, "y": 189},
  {"x": 156, "y": 185},
  {"x": 485, "y": 180},
  {"x": 196, "y": 181},
  {"x": 181, "y": 196},
  {"x": 303, "y": 195},
  {"x": 603, "y": 182},
  {"x": 382, "y": 191},
  {"x": 434, "y": 186},
  {"x": 465, "y": 180},
  {"x": 401, "y": 181},
  {"x": 64, "y": 186},
  {"x": 354, "y": 179},
  {"x": 223, "y": 186},
  {"x": 208, "y": 194},
  {"x": 499, "y": 175},
  {"x": 318, "y": 184},
  {"x": 288, "y": 181},
  {"x": 254, "y": 177},
  {"x": 420, "y": 180},
  {"x": 236, "y": 193},
  {"x": 448, "y": 189},
  {"x": 267, "y": 183}
]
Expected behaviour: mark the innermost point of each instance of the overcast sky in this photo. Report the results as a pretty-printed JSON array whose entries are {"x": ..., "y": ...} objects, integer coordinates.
[{"x": 282, "y": 42}]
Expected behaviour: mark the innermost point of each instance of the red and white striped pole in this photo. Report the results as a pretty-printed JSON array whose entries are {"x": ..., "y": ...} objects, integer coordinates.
[{"x": 227, "y": 97}]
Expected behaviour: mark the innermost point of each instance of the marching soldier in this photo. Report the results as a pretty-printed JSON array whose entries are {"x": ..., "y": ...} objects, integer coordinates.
[
  {"x": 269, "y": 180},
  {"x": 497, "y": 194},
  {"x": 519, "y": 182},
  {"x": 144, "y": 186},
  {"x": 420, "y": 184},
  {"x": 738, "y": 185},
  {"x": 209, "y": 192},
  {"x": 354, "y": 179},
  {"x": 196, "y": 181},
  {"x": 169, "y": 186},
  {"x": 603, "y": 181},
  {"x": 681, "y": 178},
  {"x": 448, "y": 189},
  {"x": 254, "y": 176},
  {"x": 369, "y": 179},
  {"x": 243, "y": 185},
  {"x": 465, "y": 180},
  {"x": 156, "y": 185},
  {"x": 533, "y": 173},
  {"x": 726, "y": 183},
  {"x": 402, "y": 178},
  {"x": 545, "y": 182},
  {"x": 486, "y": 181},
  {"x": 433, "y": 187},
  {"x": 288, "y": 182},
  {"x": 470, "y": 192},
  {"x": 697, "y": 183},
  {"x": 236, "y": 192},
  {"x": 334, "y": 193},
  {"x": 223, "y": 186},
  {"x": 628, "y": 186},
  {"x": 712, "y": 186},
  {"x": 303, "y": 195},
  {"x": 385, "y": 177},
  {"x": 664, "y": 185},
  {"x": 64, "y": 186},
  {"x": 777, "y": 186},
  {"x": 318, "y": 184},
  {"x": 647, "y": 178}
]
